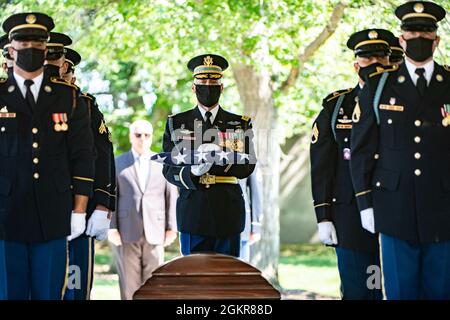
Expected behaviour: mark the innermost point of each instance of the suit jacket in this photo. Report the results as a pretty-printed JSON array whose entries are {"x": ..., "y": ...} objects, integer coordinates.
[
  {"x": 333, "y": 195},
  {"x": 400, "y": 166},
  {"x": 218, "y": 211},
  {"x": 151, "y": 211},
  {"x": 252, "y": 192},
  {"x": 41, "y": 166}
]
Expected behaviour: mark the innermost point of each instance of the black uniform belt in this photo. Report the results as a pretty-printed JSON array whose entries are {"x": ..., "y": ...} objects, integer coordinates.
[{"x": 208, "y": 179}]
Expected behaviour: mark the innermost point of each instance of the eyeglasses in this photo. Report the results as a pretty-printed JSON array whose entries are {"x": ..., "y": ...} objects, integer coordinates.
[{"x": 146, "y": 135}]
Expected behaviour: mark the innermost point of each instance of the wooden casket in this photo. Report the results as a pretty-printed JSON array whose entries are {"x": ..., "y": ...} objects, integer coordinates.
[{"x": 206, "y": 276}]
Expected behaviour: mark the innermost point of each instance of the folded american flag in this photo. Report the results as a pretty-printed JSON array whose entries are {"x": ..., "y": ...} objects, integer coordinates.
[{"x": 189, "y": 157}]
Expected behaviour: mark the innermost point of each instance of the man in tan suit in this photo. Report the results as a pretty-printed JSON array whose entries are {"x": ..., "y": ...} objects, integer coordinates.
[{"x": 144, "y": 221}]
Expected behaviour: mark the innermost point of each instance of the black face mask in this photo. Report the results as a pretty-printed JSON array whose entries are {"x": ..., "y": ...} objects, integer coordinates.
[
  {"x": 364, "y": 72},
  {"x": 30, "y": 59},
  {"x": 419, "y": 49},
  {"x": 208, "y": 95}
]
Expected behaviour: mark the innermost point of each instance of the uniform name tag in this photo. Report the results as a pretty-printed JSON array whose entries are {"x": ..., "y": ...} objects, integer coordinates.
[
  {"x": 344, "y": 126},
  {"x": 7, "y": 114},
  {"x": 391, "y": 107}
]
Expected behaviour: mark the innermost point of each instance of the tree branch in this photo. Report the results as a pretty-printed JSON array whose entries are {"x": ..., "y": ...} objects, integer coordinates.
[{"x": 327, "y": 32}]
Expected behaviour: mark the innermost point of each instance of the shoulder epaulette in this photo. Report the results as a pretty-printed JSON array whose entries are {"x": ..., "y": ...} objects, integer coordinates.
[
  {"x": 62, "y": 81},
  {"x": 337, "y": 94},
  {"x": 447, "y": 68},
  {"x": 245, "y": 118},
  {"x": 381, "y": 70},
  {"x": 87, "y": 95}
]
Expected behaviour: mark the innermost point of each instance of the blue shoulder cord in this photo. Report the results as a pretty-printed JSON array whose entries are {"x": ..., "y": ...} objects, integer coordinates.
[{"x": 335, "y": 114}]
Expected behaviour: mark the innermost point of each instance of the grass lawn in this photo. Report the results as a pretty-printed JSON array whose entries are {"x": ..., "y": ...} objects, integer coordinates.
[{"x": 309, "y": 269}]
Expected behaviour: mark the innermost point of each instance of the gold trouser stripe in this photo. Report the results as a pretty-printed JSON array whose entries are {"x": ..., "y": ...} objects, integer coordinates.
[
  {"x": 66, "y": 277},
  {"x": 89, "y": 270},
  {"x": 322, "y": 205},
  {"x": 181, "y": 178},
  {"x": 84, "y": 179},
  {"x": 363, "y": 193}
]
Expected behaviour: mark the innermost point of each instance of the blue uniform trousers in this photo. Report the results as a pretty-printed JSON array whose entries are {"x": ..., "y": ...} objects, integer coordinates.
[
  {"x": 81, "y": 259},
  {"x": 353, "y": 272},
  {"x": 35, "y": 271},
  {"x": 203, "y": 244},
  {"x": 414, "y": 272}
]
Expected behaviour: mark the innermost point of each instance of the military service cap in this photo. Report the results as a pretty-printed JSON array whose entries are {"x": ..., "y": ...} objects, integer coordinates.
[
  {"x": 56, "y": 45},
  {"x": 370, "y": 42},
  {"x": 4, "y": 45},
  {"x": 420, "y": 15},
  {"x": 208, "y": 66},
  {"x": 397, "y": 52},
  {"x": 28, "y": 26}
]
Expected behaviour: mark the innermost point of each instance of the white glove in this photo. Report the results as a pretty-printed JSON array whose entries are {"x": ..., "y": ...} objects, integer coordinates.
[
  {"x": 77, "y": 225},
  {"x": 200, "y": 169},
  {"x": 327, "y": 233},
  {"x": 98, "y": 225},
  {"x": 368, "y": 220}
]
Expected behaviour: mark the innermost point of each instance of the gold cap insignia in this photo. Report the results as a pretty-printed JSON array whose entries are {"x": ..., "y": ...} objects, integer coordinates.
[
  {"x": 315, "y": 134},
  {"x": 439, "y": 78},
  {"x": 401, "y": 79},
  {"x": 30, "y": 19},
  {"x": 208, "y": 61},
  {"x": 373, "y": 35},
  {"x": 419, "y": 8}
]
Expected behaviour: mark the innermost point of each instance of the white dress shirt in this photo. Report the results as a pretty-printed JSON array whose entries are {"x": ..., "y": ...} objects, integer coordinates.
[
  {"x": 35, "y": 88},
  {"x": 142, "y": 163},
  {"x": 213, "y": 112},
  {"x": 429, "y": 69}
]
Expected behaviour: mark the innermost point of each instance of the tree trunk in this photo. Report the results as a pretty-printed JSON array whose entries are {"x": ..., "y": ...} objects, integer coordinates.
[{"x": 257, "y": 96}]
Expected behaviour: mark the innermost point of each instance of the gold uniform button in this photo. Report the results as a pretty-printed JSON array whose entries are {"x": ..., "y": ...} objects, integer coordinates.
[
  {"x": 34, "y": 130},
  {"x": 35, "y": 145},
  {"x": 417, "y": 139},
  {"x": 334, "y": 199},
  {"x": 417, "y": 172},
  {"x": 378, "y": 184},
  {"x": 36, "y": 176},
  {"x": 376, "y": 156},
  {"x": 35, "y": 160},
  {"x": 346, "y": 140},
  {"x": 3, "y": 129},
  {"x": 417, "y": 155},
  {"x": 417, "y": 123},
  {"x": 389, "y": 121}
]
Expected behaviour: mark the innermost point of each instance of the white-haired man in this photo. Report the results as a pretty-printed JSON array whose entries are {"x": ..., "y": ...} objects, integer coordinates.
[{"x": 144, "y": 221}]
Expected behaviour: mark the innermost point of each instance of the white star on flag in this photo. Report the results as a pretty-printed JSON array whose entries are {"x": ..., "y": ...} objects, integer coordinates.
[
  {"x": 180, "y": 158},
  {"x": 160, "y": 159},
  {"x": 223, "y": 155},
  {"x": 244, "y": 156},
  {"x": 201, "y": 156}
]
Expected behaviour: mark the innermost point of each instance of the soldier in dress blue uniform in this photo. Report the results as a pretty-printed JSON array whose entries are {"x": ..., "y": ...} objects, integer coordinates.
[
  {"x": 397, "y": 53},
  {"x": 8, "y": 64},
  {"x": 102, "y": 203},
  {"x": 334, "y": 201},
  {"x": 46, "y": 166},
  {"x": 401, "y": 143},
  {"x": 210, "y": 208}
]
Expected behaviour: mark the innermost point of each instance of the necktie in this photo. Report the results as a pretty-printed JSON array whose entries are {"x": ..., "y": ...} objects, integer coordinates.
[
  {"x": 29, "y": 95},
  {"x": 208, "y": 123},
  {"x": 421, "y": 82}
]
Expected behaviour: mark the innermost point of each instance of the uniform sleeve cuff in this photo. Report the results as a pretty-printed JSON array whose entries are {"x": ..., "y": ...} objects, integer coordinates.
[
  {"x": 82, "y": 186},
  {"x": 323, "y": 212},
  {"x": 364, "y": 200},
  {"x": 102, "y": 197}
]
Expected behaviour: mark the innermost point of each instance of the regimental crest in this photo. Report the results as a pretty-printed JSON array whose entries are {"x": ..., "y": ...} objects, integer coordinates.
[
  {"x": 4, "y": 109},
  {"x": 30, "y": 19},
  {"x": 419, "y": 8},
  {"x": 356, "y": 113},
  {"x": 208, "y": 61},
  {"x": 373, "y": 35},
  {"x": 315, "y": 134},
  {"x": 392, "y": 101}
]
